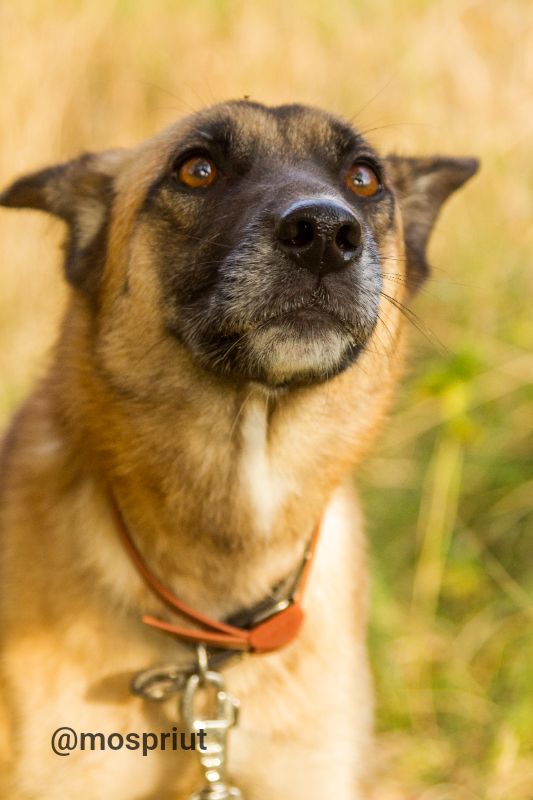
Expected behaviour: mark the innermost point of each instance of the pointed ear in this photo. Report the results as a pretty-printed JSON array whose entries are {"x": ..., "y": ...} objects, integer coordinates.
[
  {"x": 421, "y": 186},
  {"x": 80, "y": 192}
]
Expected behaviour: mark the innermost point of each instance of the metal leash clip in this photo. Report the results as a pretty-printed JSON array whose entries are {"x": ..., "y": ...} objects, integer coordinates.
[
  {"x": 160, "y": 683},
  {"x": 225, "y": 710}
]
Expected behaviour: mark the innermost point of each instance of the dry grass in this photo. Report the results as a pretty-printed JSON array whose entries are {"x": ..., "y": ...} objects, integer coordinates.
[{"x": 448, "y": 497}]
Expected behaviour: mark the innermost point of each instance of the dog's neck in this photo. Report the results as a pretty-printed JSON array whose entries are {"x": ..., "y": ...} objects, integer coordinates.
[{"x": 223, "y": 479}]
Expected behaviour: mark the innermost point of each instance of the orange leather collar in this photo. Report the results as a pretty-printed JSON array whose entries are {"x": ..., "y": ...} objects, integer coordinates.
[{"x": 278, "y": 629}]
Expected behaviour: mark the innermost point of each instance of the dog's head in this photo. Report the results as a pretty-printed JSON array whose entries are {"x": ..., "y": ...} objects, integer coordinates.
[{"x": 255, "y": 241}]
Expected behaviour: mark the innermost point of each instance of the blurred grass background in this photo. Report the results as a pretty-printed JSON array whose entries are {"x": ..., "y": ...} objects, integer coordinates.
[{"x": 448, "y": 491}]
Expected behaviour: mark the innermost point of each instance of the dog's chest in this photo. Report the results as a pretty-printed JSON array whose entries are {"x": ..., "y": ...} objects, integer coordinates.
[{"x": 263, "y": 482}]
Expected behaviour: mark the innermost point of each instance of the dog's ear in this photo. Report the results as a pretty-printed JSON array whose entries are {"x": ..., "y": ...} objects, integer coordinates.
[
  {"x": 80, "y": 192},
  {"x": 421, "y": 186}
]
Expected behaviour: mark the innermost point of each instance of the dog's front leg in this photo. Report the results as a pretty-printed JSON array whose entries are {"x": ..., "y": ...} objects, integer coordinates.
[
  {"x": 317, "y": 748},
  {"x": 306, "y": 721}
]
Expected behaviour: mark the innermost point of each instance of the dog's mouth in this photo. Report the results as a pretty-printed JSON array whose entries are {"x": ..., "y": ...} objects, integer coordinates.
[
  {"x": 299, "y": 344},
  {"x": 303, "y": 320}
]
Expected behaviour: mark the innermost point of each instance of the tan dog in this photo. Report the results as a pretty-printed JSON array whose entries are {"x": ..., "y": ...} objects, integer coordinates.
[{"x": 229, "y": 350}]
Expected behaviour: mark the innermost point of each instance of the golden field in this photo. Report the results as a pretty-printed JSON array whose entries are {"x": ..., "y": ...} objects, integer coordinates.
[{"x": 448, "y": 492}]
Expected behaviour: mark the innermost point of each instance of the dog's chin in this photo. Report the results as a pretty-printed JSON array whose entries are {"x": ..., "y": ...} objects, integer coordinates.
[
  {"x": 295, "y": 349},
  {"x": 283, "y": 356}
]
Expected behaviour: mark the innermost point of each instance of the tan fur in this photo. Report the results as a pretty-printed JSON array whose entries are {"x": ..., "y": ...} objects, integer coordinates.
[{"x": 221, "y": 487}]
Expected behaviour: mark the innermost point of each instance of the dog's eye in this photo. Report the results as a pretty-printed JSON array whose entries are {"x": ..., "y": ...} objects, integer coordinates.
[
  {"x": 196, "y": 172},
  {"x": 363, "y": 180}
]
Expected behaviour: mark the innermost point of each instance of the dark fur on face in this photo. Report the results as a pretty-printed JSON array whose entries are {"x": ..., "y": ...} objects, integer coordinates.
[
  {"x": 233, "y": 296},
  {"x": 245, "y": 305}
]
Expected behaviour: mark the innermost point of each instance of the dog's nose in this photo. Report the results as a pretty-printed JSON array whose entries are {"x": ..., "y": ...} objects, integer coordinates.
[{"x": 321, "y": 235}]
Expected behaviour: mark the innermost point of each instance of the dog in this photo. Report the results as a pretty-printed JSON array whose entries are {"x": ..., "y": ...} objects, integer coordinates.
[{"x": 230, "y": 348}]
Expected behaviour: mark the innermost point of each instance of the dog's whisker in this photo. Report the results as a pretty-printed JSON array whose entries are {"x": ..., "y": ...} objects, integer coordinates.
[{"x": 415, "y": 321}]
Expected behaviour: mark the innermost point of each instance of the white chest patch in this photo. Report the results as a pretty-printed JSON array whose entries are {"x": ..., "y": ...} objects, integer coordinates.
[{"x": 262, "y": 481}]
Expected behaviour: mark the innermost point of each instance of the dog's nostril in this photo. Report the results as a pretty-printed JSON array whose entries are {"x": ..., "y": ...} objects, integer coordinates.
[
  {"x": 348, "y": 237},
  {"x": 319, "y": 235},
  {"x": 296, "y": 233}
]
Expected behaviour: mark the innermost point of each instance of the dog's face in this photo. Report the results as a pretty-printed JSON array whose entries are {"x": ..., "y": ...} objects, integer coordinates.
[
  {"x": 266, "y": 224},
  {"x": 260, "y": 237}
]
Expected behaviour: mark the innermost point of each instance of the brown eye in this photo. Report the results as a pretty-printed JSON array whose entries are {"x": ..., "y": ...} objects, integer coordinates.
[
  {"x": 362, "y": 180},
  {"x": 197, "y": 172}
]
